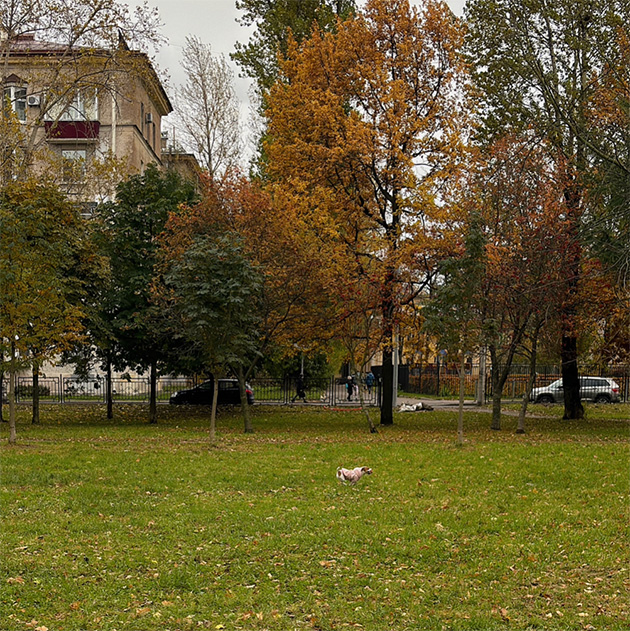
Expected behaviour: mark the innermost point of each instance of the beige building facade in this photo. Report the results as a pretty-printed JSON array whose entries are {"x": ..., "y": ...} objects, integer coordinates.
[{"x": 86, "y": 117}]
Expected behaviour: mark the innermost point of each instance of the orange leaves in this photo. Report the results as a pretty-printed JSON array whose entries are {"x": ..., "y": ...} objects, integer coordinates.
[{"x": 365, "y": 125}]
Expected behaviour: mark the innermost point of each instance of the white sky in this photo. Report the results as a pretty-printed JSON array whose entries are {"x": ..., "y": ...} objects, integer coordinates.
[{"x": 214, "y": 22}]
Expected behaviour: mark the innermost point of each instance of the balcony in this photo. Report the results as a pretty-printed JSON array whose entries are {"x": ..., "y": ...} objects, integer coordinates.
[{"x": 72, "y": 130}]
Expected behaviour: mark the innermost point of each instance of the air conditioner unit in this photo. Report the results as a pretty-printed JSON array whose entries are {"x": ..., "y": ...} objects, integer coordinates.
[
  {"x": 149, "y": 118},
  {"x": 33, "y": 100}
]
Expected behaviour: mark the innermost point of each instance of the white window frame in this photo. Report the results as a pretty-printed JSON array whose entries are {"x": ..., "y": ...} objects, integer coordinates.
[
  {"x": 83, "y": 107},
  {"x": 16, "y": 96}
]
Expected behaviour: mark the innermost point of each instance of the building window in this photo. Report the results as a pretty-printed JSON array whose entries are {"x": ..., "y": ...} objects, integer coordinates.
[
  {"x": 16, "y": 98},
  {"x": 82, "y": 107},
  {"x": 73, "y": 164}
]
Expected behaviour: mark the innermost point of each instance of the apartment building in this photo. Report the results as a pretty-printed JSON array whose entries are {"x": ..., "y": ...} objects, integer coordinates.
[{"x": 91, "y": 116}]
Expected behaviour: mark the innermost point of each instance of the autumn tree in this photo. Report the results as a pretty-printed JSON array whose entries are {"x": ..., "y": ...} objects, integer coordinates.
[
  {"x": 608, "y": 115},
  {"x": 41, "y": 307},
  {"x": 518, "y": 193},
  {"x": 292, "y": 306},
  {"x": 453, "y": 314},
  {"x": 364, "y": 126},
  {"x": 127, "y": 231},
  {"x": 207, "y": 112},
  {"x": 214, "y": 290},
  {"x": 357, "y": 326},
  {"x": 273, "y": 21},
  {"x": 538, "y": 65}
]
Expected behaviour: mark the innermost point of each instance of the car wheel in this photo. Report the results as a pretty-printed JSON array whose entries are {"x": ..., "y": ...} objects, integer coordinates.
[
  {"x": 602, "y": 398},
  {"x": 545, "y": 398}
]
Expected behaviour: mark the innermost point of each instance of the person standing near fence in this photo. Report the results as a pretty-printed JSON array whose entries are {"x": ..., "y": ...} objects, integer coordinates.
[
  {"x": 350, "y": 386},
  {"x": 300, "y": 390},
  {"x": 369, "y": 382}
]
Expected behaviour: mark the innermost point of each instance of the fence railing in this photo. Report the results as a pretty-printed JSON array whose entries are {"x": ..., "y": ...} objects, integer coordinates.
[
  {"x": 63, "y": 389},
  {"x": 326, "y": 391},
  {"x": 443, "y": 381}
]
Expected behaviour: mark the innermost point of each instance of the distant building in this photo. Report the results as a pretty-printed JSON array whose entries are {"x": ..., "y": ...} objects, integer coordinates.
[{"x": 83, "y": 106}]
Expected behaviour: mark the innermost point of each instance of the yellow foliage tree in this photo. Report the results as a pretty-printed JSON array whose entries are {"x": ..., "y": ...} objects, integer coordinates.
[{"x": 365, "y": 126}]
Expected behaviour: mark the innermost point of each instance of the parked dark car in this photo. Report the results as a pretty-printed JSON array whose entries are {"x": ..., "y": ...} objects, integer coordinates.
[{"x": 202, "y": 394}]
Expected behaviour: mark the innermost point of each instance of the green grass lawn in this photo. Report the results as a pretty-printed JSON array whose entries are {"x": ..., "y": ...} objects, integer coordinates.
[{"x": 125, "y": 526}]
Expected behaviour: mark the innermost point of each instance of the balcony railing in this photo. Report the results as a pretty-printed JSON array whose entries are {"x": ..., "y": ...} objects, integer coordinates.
[{"x": 72, "y": 130}]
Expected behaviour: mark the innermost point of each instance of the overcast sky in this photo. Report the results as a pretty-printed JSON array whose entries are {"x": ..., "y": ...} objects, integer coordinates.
[{"x": 214, "y": 22}]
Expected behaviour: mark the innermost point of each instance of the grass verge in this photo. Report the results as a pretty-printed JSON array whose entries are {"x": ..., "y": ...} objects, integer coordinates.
[{"x": 125, "y": 526}]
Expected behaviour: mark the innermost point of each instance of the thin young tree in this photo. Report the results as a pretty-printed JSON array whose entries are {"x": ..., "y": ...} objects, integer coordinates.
[
  {"x": 213, "y": 290},
  {"x": 207, "y": 113}
]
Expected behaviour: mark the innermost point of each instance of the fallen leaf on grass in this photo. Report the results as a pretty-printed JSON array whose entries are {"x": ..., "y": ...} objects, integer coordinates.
[
  {"x": 503, "y": 612},
  {"x": 14, "y": 580}
]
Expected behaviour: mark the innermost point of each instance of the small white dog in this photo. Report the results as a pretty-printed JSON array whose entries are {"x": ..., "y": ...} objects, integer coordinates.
[{"x": 352, "y": 476}]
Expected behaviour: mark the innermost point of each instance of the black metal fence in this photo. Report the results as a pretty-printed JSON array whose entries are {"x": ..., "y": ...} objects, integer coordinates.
[
  {"x": 63, "y": 389},
  {"x": 326, "y": 391},
  {"x": 432, "y": 380},
  {"x": 443, "y": 380}
]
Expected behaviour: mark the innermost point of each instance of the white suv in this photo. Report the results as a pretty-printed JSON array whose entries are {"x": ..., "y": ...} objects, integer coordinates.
[{"x": 598, "y": 389}]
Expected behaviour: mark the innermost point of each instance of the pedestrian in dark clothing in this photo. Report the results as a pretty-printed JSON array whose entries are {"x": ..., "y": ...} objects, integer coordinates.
[
  {"x": 300, "y": 390},
  {"x": 369, "y": 381},
  {"x": 350, "y": 386}
]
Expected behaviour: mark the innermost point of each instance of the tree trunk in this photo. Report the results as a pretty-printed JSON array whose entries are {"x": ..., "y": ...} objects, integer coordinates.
[
  {"x": 387, "y": 393},
  {"x": 153, "y": 394},
  {"x": 244, "y": 404},
  {"x": 530, "y": 382},
  {"x": 12, "y": 376},
  {"x": 462, "y": 383},
  {"x": 35, "y": 392},
  {"x": 109, "y": 398},
  {"x": 213, "y": 413},
  {"x": 496, "y": 390},
  {"x": 387, "y": 374},
  {"x": 573, "y": 408},
  {"x": 496, "y": 408},
  {"x": 1, "y": 392},
  {"x": 481, "y": 380}
]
